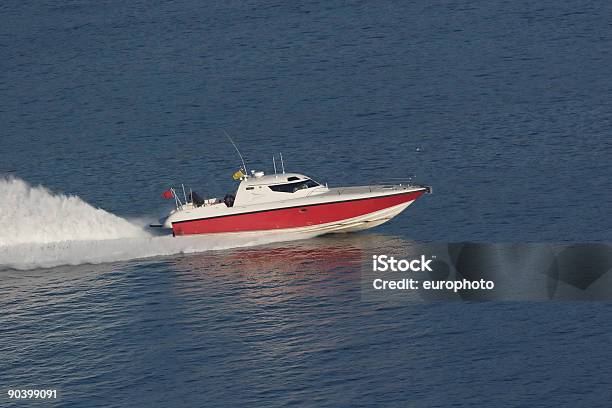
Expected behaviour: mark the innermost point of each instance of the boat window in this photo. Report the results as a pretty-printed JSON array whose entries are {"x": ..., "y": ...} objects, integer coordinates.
[
  {"x": 293, "y": 187},
  {"x": 293, "y": 178}
]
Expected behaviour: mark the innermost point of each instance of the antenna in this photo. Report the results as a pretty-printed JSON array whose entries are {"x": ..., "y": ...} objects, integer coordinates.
[
  {"x": 282, "y": 163},
  {"x": 176, "y": 199},
  {"x": 237, "y": 151},
  {"x": 274, "y": 164}
]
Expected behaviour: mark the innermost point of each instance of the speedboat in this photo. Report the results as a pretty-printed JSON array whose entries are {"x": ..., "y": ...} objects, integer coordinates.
[{"x": 288, "y": 202}]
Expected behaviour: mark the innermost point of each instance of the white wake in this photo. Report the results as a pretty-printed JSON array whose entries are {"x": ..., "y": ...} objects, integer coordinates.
[{"x": 40, "y": 229}]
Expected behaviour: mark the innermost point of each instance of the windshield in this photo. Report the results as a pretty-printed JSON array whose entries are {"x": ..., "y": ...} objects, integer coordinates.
[{"x": 293, "y": 187}]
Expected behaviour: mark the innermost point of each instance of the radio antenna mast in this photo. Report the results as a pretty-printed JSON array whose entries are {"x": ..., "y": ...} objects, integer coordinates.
[
  {"x": 282, "y": 162},
  {"x": 237, "y": 151}
]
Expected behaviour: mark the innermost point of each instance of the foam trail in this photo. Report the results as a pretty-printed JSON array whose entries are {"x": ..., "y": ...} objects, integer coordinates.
[
  {"x": 30, "y": 215},
  {"x": 43, "y": 229}
]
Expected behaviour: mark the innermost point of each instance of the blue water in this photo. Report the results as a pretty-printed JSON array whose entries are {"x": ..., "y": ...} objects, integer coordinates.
[{"x": 503, "y": 107}]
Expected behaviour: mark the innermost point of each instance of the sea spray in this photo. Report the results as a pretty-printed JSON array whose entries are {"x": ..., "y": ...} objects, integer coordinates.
[
  {"x": 41, "y": 229},
  {"x": 35, "y": 215}
]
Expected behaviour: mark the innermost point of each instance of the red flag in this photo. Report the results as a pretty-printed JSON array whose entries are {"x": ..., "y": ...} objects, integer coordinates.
[{"x": 167, "y": 194}]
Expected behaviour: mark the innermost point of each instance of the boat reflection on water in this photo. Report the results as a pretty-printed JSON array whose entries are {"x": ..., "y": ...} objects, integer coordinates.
[
  {"x": 320, "y": 266},
  {"x": 343, "y": 264}
]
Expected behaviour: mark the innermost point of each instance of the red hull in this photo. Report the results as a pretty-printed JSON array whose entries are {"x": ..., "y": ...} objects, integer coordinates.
[{"x": 294, "y": 217}]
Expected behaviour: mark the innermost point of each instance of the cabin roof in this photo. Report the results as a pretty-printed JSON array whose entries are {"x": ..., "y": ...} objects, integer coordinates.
[{"x": 270, "y": 179}]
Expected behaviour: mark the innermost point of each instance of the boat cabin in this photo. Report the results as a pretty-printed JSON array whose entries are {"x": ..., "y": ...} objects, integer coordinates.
[
  {"x": 255, "y": 188},
  {"x": 260, "y": 188}
]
